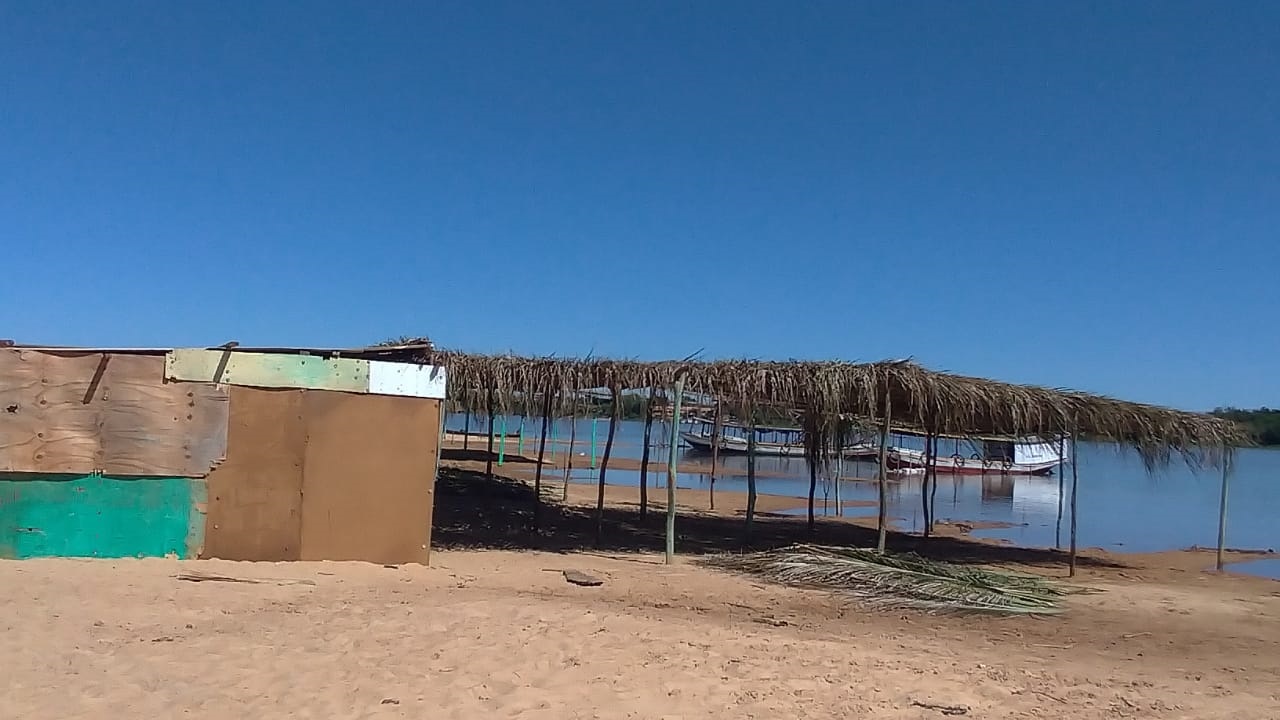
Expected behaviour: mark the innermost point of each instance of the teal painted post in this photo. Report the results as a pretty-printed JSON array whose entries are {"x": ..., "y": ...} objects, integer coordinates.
[
  {"x": 502, "y": 441},
  {"x": 671, "y": 470},
  {"x": 593, "y": 443}
]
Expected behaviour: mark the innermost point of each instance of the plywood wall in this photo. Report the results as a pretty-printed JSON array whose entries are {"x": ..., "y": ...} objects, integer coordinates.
[
  {"x": 321, "y": 475},
  {"x": 369, "y": 477},
  {"x": 106, "y": 413},
  {"x": 255, "y": 496}
]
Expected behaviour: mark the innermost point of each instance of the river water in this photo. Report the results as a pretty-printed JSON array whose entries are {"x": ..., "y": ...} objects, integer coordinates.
[{"x": 1122, "y": 507}]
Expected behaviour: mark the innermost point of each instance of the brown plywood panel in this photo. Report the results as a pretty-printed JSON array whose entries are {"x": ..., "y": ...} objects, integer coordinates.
[
  {"x": 113, "y": 414},
  {"x": 369, "y": 477},
  {"x": 255, "y": 496}
]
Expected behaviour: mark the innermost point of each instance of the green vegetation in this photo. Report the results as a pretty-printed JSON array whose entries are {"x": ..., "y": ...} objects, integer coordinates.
[{"x": 1263, "y": 424}]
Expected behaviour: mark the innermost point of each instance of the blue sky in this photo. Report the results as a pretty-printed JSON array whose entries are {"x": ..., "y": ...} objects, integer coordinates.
[{"x": 1072, "y": 194}]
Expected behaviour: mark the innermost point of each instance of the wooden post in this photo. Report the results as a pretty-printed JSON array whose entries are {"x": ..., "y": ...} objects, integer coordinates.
[
  {"x": 644, "y": 458},
  {"x": 883, "y": 517},
  {"x": 751, "y": 481},
  {"x": 839, "y": 470},
  {"x": 924, "y": 484},
  {"x": 488, "y": 460},
  {"x": 466, "y": 431},
  {"x": 568, "y": 458},
  {"x": 933, "y": 485},
  {"x": 671, "y": 469},
  {"x": 1075, "y": 482},
  {"x": 715, "y": 454},
  {"x": 542, "y": 451},
  {"x": 604, "y": 465},
  {"x": 502, "y": 441},
  {"x": 1062, "y": 486},
  {"x": 813, "y": 489},
  {"x": 520, "y": 446},
  {"x": 594, "y": 421},
  {"x": 1222, "y": 505}
]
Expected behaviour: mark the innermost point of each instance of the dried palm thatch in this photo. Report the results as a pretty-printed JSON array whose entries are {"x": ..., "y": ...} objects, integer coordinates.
[
  {"x": 898, "y": 581},
  {"x": 830, "y": 396}
]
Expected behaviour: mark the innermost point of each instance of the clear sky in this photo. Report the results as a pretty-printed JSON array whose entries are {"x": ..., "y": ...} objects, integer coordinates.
[{"x": 1065, "y": 193}]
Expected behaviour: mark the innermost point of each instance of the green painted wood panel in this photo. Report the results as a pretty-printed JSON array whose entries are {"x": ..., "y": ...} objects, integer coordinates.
[
  {"x": 268, "y": 370},
  {"x": 97, "y": 516}
]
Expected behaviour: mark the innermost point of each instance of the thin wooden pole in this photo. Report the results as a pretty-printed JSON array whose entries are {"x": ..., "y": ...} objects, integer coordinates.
[
  {"x": 751, "y": 482},
  {"x": 542, "y": 452},
  {"x": 924, "y": 484},
  {"x": 594, "y": 422},
  {"x": 715, "y": 455},
  {"x": 839, "y": 470},
  {"x": 644, "y": 457},
  {"x": 520, "y": 446},
  {"x": 604, "y": 464},
  {"x": 813, "y": 489},
  {"x": 466, "y": 431},
  {"x": 671, "y": 470},
  {"x": 933, "y": 485},
  {"x": 1075, "y": 482},
  {"x": 502, "y": 441},
  {"x": 568, "y": 457},
  {"x": 883, "y": 516},
  {"x": 1222, "y": 505},
  {"x": 488, "y": 461},
  {"x": 1062, "y": 483}
]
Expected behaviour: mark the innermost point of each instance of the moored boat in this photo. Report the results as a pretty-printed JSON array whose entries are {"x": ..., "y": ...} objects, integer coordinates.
[{"x": 1028, "y": 456}]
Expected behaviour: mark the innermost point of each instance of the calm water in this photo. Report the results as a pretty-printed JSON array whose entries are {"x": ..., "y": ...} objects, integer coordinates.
[{"x": 1121, "y": 506}]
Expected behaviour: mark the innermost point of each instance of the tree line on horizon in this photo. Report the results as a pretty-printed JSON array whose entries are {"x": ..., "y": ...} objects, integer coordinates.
[{"x": 1263, "y": 423}]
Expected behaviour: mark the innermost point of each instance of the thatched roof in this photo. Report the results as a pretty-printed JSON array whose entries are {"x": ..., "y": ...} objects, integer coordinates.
[{"x": 826, "y": 392}]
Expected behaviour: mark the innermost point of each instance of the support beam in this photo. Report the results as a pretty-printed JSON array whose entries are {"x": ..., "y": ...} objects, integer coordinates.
[
  {"x": 883, "y": 518},
  {"x": 1075, "y": 483},
  {"x": 671, "y": 469},
  {"x": 1222, "y": 505}
]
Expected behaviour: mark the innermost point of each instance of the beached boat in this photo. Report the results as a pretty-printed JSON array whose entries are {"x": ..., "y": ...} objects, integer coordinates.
[{"x": 1028, "y": 456}]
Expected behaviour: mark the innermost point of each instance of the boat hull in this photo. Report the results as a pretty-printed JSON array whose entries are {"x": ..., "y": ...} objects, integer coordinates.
[
  {"x": 898, "y": 459},
  {"x": 738, "y": 446}
]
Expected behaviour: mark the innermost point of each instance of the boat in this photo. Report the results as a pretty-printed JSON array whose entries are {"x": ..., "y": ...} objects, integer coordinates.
[
  {"x": 1024, "y": 456},
  {"x": 785, "y": 442}
]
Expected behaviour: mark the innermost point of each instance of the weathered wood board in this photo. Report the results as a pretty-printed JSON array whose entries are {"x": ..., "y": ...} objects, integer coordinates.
[
  {"x": 369, "y": 477},
  {"x": 255, "y": 496},
  {"x": 89, "y": 413},
  {"x": 96, "y": 516},
  {"x": 268, "y": 370}
]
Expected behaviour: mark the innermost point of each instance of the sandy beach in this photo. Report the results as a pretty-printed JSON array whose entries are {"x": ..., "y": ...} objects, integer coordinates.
[
  {"x": 492, "y": 629},
  {"x": 501, "y": 634}
]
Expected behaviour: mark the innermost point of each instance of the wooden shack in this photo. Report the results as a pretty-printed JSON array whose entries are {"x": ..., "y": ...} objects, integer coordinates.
[{"x": 267, "y": 454}]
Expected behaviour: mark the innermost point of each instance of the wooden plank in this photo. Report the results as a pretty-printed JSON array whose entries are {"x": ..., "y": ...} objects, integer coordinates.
[
  {"x": 267, "y": 370},
  {"x": 255, "y": 496},
  {"x": 97, "y": 516},
  {"x": 369, "y": 477},
  {"x": 102, "y": 413}
]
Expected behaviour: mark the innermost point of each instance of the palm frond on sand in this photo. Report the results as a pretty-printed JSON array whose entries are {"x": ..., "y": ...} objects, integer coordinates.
[{"x": 898, "y": 580}]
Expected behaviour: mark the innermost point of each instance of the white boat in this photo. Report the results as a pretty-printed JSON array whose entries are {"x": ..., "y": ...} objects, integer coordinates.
[
  {"x": 1026, "y": 456},
  {"x": 731, "y": 444}
]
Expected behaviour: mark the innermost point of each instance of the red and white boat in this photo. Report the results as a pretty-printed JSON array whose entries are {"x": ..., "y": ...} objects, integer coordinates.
[{"x": 1027, "y": 456}]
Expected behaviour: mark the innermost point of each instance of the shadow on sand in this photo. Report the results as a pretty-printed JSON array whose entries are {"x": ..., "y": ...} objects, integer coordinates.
[{"x": 473, "y": 512}]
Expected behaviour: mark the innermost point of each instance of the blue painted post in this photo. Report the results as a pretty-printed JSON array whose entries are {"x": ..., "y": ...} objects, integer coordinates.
[{"x": 502, "y": 441}]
